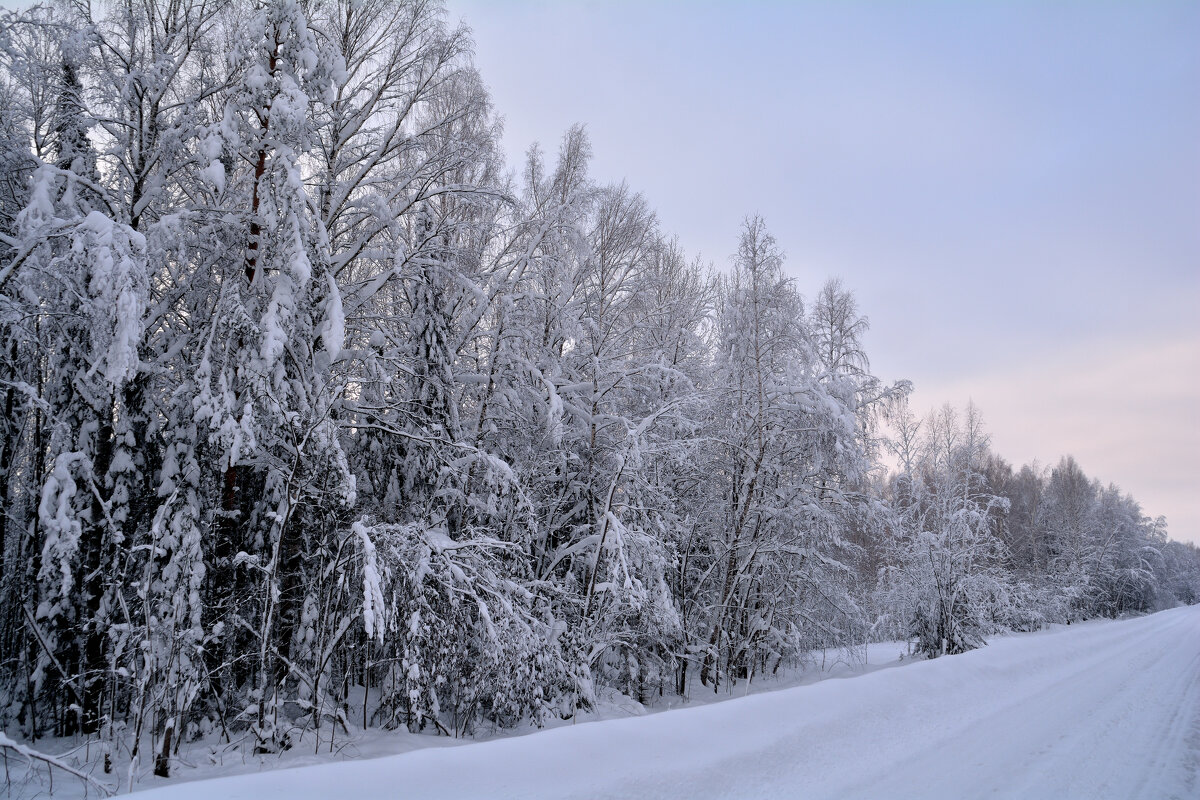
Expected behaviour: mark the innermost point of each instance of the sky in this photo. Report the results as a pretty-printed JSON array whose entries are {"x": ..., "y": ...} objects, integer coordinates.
[{"x": 1012, "y": 190}]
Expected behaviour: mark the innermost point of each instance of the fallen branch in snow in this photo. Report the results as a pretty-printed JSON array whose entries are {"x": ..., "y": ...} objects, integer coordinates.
[{"x": 51, "y": 762}]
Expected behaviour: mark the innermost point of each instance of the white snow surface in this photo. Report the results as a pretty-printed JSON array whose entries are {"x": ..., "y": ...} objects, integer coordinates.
[{"x": 1098, "y": 710}]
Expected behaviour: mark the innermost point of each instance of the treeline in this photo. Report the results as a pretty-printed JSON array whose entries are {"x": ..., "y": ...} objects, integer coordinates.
[
  {"x": 310, "y": 406},
  {"x": 972, "y": 547}
]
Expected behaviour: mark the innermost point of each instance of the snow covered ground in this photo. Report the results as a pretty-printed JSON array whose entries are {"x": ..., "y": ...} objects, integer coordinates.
[
  {"x": 1099, "y": 710},
  {"x": 1102, "y": 709}
]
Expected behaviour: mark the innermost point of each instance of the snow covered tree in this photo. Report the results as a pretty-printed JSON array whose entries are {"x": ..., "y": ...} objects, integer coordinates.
[
  {"x": 784, "y": 472},
  {"x": 947, "y": 583}
]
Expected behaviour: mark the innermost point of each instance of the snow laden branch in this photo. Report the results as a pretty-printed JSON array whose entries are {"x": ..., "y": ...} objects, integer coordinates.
[{"x": 32, "y": 757}]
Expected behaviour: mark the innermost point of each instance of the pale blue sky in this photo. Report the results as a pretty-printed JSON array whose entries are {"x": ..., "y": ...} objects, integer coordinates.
[{"x": 1012, "y": 189}]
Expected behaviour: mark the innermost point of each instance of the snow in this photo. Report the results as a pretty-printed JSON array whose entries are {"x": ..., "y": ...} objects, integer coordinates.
[
  {"x": 333, "y": 329},
  {"x": 373, "y": 607},
  {"x": 1095, "y": 710},
  {"x": 214, "y": 173},
  {"x": 57, "y": 514},
  {"x": 116, "y": 257}
]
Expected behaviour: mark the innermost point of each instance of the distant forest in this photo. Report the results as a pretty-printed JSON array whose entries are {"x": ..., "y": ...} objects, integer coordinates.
[{"x": 310, "y": 398}]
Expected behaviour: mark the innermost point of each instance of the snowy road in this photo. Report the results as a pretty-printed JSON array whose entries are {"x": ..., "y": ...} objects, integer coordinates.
[{"x": 1100, "y": 710}]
